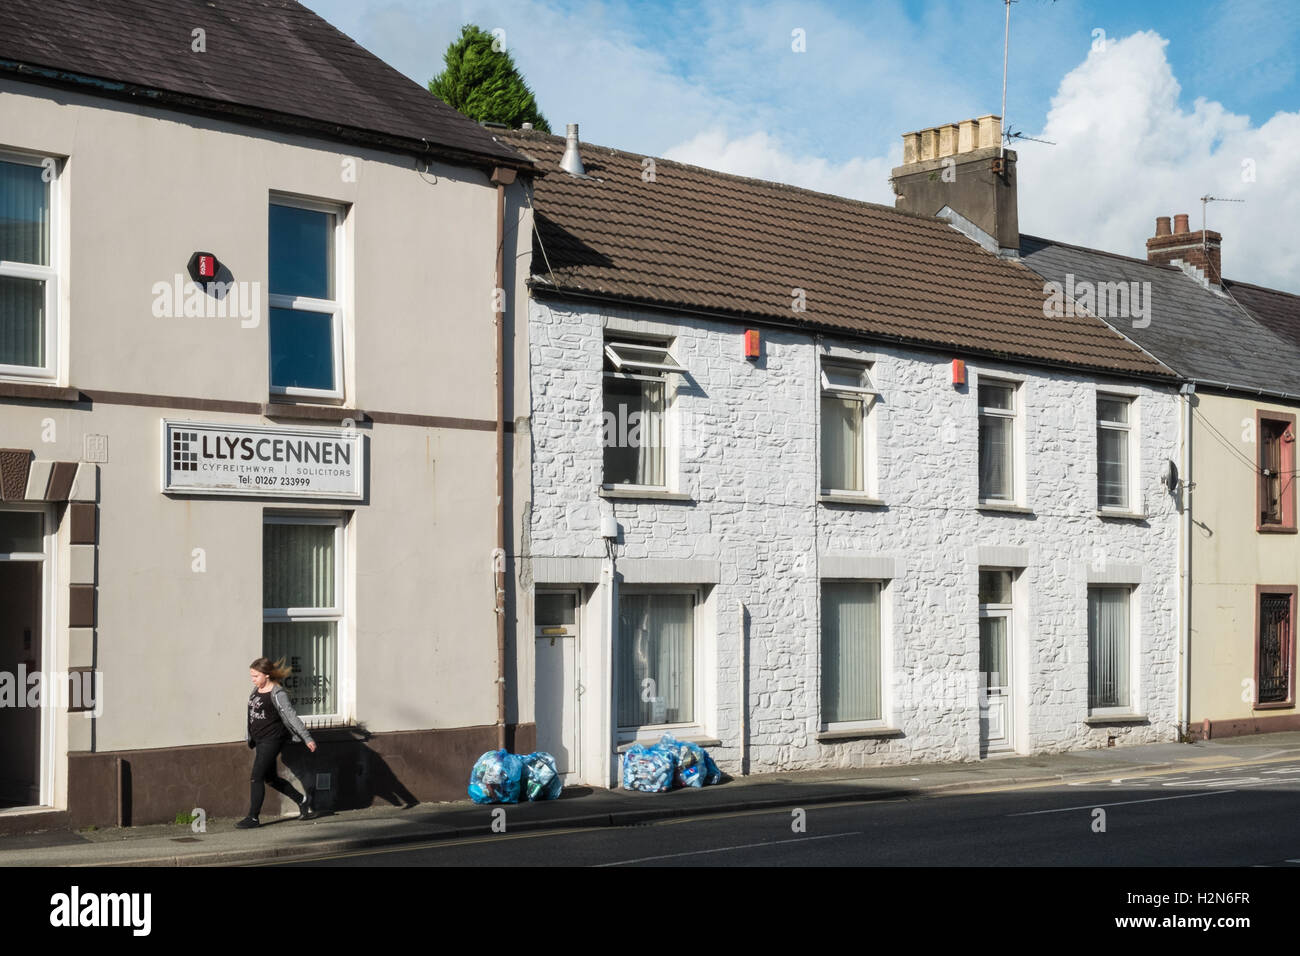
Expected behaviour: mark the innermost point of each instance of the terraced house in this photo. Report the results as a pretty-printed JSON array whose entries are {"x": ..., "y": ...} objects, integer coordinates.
[
  {"x": 250, "y": 342},
  {"x": 1238, "y": 347},
  {"x": 819, "y": 483}
]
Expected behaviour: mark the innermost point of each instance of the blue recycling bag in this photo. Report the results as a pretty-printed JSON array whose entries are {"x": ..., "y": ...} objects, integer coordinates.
[
  {"x": 690, "y": 768},
  {"x": 541, "y": 777},
  {"x": 648, "y": 769},
  {"x": 496, "y": 778}
]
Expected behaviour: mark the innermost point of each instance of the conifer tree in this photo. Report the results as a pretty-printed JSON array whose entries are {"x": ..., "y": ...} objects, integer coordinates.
[{"x": 479, "y": 79}]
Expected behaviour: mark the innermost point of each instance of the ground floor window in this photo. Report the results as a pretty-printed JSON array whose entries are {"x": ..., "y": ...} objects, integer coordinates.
[
  {"x": 656, "y": 677},
  {"x": 1275, "y": 651},
  {"x": 1108, "y": 648},
  {"x": 302, "y": 602},
  {"x": 851, "y": 684}
]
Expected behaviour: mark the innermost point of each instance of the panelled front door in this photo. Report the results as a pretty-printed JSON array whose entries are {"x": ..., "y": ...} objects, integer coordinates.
[{"x": 557, "y": 687}]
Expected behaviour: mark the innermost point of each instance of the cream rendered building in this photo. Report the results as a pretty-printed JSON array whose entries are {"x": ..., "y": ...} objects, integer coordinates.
[{"x": 301, "y": 460}]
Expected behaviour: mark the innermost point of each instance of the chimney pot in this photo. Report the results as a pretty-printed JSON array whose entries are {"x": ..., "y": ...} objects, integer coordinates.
[
  {"x": 947, "y": 139},
  {"x": 1180, "y": 224},
  {"x": 911, "y": 148},
  {"x": 929, "y": 144},
  {"x": 967, "y": 135},
  {"x": 990, "y": 130},
  {"x": 1162, "y": 225}
]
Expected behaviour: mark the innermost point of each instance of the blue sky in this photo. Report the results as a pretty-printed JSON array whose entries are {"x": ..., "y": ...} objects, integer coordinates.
[{"x": 1151, "y": 104}]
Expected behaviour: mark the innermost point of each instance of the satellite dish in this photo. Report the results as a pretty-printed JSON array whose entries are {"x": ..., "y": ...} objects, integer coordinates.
[{"x": 1169, "y": 475}]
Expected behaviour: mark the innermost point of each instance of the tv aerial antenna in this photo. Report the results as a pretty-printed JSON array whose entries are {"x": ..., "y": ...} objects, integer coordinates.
[
  {"x": 1205, "y": 200},
  {"x": 1009, "y": 134}
]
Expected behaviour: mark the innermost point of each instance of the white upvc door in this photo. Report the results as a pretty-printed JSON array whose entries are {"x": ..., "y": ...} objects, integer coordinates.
[
  {"x": 996, "y": 704},
  {"x": 557, "y": 688}
]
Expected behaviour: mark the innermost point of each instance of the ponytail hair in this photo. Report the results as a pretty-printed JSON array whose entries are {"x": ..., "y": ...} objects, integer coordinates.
[{"x": 276, "y": 670}]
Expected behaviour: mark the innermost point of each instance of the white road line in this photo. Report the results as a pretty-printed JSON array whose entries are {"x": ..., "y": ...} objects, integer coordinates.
[
  {"x": 724, "y": 849},
  {"x": 1124, "y": 803}
]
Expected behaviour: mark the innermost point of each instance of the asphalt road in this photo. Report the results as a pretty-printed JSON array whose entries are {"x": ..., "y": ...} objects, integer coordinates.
[{"x": 1245, "y": 816}]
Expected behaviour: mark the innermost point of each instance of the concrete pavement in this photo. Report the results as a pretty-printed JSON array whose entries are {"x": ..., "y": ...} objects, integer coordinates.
[{"x": 583, "y": 807}]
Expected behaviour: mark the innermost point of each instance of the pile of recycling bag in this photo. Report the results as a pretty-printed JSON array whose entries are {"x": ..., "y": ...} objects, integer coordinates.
[
  {"x": 502, "y": 777},
  {"x": 668, "y": 764}
]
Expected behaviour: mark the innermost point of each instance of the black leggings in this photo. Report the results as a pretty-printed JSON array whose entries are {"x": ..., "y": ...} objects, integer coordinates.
[{"x": 268, "y": 748}]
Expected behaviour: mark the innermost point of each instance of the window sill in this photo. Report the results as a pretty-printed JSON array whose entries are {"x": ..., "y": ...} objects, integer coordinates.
[
  {"x": 646, "y": 494},
  {"x": 39, "y": 391},
  {"x": 848, "y": 498},
  {"x": 1106, "y": 720},
  {"x": 1122, "y": 515},
  {"x": 1274, "y": 529},
  {"x": 705, "y": 742},
  {"x": 860, "y": 733},
  {"x": 324, "y": 413},
  {"x": 1005, "y": 508},
  {"x": 1279, "y": 705}
]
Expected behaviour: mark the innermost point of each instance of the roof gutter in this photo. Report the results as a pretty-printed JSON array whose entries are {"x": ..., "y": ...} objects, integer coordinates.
[
  {"x": 546, "y": 289},
  {"x": 269, "y": 119},
  {"x": 1246, "y": 389}
]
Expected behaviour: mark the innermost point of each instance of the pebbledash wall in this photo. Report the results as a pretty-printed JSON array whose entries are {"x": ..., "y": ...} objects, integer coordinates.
[{"x": 750, "y": 530}]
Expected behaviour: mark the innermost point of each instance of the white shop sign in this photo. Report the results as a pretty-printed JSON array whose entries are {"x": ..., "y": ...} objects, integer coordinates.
[{"x": 267, "y": 461}]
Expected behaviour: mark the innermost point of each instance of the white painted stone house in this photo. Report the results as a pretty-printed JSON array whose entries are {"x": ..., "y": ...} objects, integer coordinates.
[{"x": 831, "y": 553}]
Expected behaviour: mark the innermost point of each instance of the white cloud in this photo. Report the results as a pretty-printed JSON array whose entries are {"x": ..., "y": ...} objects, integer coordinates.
[
  {"x": 761, "y": 156},
  {"x": 1126, "y": 152}
]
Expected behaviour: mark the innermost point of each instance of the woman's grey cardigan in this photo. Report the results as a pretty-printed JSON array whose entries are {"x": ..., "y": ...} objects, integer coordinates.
[{"x": 292, "y": 722}]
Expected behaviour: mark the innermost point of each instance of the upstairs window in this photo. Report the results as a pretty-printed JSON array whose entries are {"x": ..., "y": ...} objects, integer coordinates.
[
  {"x": 847, "y": 393},
  {"x": 997, "y": 441},
  {"x": 306, "y": 325},
  {"x": 638, "y": 382},
  {"x": 1114, "y": 415},
  {"x": 28, "y": 278},
  {"x": 1276, "y": 494}
]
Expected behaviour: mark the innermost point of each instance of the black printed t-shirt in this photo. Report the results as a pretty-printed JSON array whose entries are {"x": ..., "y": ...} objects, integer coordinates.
[{"x": 263, "y": 716}]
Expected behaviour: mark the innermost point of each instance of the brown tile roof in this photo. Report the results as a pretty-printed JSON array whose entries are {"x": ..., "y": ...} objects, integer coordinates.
[
  {"x": 708, "y": 241},
  {"x": 274, "y": 56}
]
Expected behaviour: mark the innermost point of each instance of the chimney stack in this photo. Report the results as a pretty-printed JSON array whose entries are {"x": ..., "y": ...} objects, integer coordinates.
[
  {"x": 963, "y": 168},
  {"x": 1200, "y": 249}
]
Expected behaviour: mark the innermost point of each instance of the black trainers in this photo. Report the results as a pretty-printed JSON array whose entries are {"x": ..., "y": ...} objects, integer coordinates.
[
  {"x": 247, "y": 823},
  {"x": 305, "y": 810}
]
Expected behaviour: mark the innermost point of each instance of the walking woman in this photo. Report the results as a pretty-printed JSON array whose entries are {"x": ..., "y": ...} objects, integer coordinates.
[{"x": 271, "y": 723}]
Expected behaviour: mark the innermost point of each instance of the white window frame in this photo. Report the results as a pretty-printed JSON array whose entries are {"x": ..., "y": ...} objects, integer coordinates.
[
  {"x": 49, "y": 274},
  {"x": 334, "y": 307},
  {"x": 694, "y": 727},
  {"x": 638, "y": 371},
  {"x": 337, "y": 613},
  {"x": 622, "y": 362},
  {"x": 1131, "y": 466},
  {"x": 886, "y": 699},
  {"x": 1016, "y": 414},
  {"x": 1133, "y": 653},
  {"x": 865, "y": 395},
  {"x": 1003, "y": 610}
]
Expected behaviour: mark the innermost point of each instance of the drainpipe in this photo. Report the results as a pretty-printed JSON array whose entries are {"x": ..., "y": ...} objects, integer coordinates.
[
  {"x": 1185, "y": 638},
  {"x": 502, "y": 177}
]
